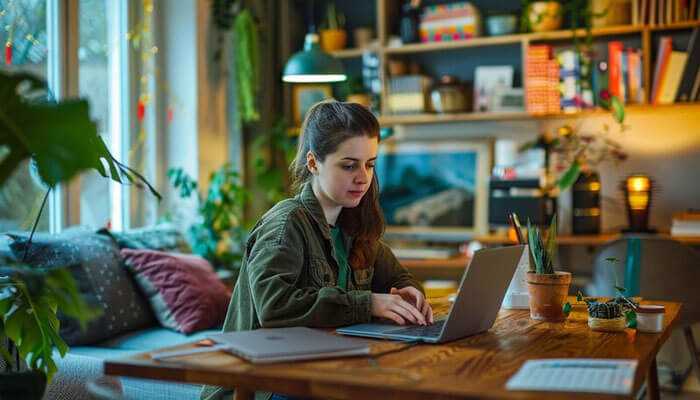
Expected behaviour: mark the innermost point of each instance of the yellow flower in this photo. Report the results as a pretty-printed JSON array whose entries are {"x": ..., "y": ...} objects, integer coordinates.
[{"x": 565, "y": 131}]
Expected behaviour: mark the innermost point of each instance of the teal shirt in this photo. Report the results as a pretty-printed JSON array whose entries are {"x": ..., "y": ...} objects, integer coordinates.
[{"x": 341, "y": 257}]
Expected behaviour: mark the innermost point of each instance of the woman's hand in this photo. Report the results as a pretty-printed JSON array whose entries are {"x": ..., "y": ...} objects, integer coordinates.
[
  {"x": 394, "y": 307},
  {"x": 415, "y": 297}
]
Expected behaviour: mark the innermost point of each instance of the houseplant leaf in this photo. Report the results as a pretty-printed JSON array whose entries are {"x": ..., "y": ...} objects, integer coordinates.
[
  {"x": 59, "y": 136},
  {"x": 570, "y": 176}
]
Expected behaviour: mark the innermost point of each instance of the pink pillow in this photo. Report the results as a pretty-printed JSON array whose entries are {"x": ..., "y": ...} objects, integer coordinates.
[{"x": 184, "y": 291}]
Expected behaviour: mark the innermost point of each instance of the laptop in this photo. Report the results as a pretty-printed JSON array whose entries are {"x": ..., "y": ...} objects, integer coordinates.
[
  {"x": 288, "y": 344},
  {"x": 474, "y": 310}
]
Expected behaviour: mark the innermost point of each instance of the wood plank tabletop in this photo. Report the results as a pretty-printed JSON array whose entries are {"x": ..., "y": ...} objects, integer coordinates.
[{"x": 474, "y": 367}]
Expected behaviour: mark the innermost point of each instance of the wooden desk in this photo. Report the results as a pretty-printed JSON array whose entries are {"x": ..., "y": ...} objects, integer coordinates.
[{"x": 474, "y": 367}]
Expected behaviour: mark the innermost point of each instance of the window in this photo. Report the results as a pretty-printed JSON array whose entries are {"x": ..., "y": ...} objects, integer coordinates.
[
  {"x": 88, "y": 50},
  {"x": 23, "y": 36},
  {"x": 93, "y": 82}
]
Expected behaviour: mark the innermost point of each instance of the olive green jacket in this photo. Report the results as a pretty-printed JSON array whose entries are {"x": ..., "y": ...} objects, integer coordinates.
[{"x": 289, "y": 274}]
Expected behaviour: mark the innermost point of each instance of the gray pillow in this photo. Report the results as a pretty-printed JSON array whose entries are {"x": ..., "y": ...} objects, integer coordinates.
[
  {"x": 163, "y": 237},
  {"x": 96, "y": 265}
]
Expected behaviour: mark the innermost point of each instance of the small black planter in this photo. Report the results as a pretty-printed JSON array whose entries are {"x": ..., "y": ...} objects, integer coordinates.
[{"x": 29, "y": 385}]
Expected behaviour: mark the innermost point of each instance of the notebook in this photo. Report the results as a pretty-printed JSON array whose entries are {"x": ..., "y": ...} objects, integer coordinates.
[
  {"x": 277, "y": 345},
  {"x": 575, "y": 375}
]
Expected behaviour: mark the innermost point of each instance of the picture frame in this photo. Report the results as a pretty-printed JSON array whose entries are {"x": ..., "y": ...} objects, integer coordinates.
[
  {"x": 434, "y": 190},
  {"x": 487, "y": 79},
  {"x": 306, "y": 95}
]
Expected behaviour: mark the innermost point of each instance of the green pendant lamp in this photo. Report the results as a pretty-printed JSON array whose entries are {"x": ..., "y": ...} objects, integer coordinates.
[{"x": 312, "y": 65}]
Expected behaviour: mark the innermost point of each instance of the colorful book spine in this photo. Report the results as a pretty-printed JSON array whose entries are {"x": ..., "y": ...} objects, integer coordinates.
[
  {"x": 542, "y": 81},
  {"x": 615, "y": 69}
]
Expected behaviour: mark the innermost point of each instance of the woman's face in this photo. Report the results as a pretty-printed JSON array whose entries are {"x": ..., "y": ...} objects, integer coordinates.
[{"x": 345, "y": 175}]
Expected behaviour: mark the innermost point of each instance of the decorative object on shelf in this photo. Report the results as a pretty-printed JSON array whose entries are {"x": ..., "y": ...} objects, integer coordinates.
[
  {"x": 501, "y": 24},
  {"x": 504, "y": 99},
  {"x": 362, "y": 36},
  {"x": 450, "y": 22},
  {"x": 611, "y": 12},
  {"x": 638, "y": 189},
  {"x": 487, "y": 80},
  {"x": 397, "y": 67},
  {"x": 548, "y": 288},
  {"x": 333, "y": 35},
  {"x": 306, "y": 95},
  {"x": 586, "y": 203},
  {"x": 448, "y": 96},
  {"x": 434, "y": 187},
  {"x": 409, "y": 94},
  {"x": 543, "y": 16},
  {"x": 410, "y": 21},
  {"x": 312, "y": 65}
]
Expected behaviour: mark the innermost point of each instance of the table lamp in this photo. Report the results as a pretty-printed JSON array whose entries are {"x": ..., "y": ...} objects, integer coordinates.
[{"x": 637, "y": 189}]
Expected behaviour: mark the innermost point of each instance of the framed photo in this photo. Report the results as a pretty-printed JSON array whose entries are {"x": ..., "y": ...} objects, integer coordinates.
[
  {"x": 488, "y": 79},
  {"x": 306, "y": 95},
  {"x": 434, "y": 190}
]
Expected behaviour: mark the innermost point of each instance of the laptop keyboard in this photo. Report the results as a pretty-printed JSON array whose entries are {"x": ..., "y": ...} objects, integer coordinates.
[{"x": 422, "y": 331}]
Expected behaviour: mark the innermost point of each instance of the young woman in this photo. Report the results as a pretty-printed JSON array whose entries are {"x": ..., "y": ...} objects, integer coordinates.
[{"x": 316, "y": 260}]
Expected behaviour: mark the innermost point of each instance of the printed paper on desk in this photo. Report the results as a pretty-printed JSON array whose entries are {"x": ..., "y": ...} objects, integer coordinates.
[{"x": 575, "y": 375}]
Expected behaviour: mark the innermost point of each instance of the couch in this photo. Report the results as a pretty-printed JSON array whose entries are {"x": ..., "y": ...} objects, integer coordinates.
[{"x": 80, "y": 372}]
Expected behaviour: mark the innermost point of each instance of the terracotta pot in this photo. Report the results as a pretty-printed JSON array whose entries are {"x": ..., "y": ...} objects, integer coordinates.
[
  {"x": 545, "y": 16},
  {"x": 333, "y": 39},
  {"x": 547, "y": 295}
]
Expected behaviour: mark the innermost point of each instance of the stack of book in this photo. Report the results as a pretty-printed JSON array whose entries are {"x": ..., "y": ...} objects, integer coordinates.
[
  {"x": 574, "y": 95},
  {"x": 625, "y": 73},
  {"x": 677, "y": 73},
  {"x": 409, "y": 94},
  {"x": 542, "y": 81},
  {"x": 686, "y": 224},
  {"x": 659, "y": 12}
]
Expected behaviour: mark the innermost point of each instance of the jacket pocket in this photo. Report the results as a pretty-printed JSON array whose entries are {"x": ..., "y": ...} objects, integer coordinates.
[
  {"x": 363, "y": 277},
  {"x": 321, "y": 273}
]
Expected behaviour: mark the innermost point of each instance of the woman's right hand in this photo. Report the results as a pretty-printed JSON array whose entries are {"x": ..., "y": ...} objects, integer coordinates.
[{"x": 395, "y": 308}]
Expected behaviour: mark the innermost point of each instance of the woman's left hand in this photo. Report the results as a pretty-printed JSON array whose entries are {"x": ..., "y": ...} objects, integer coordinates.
[{"x": 415, "y": 297}]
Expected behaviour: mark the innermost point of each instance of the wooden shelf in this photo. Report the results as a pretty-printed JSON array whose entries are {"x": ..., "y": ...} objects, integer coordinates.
[
  {"x": 428, "y": 118},
  {"x": 348, "y": 53},
  {"x": 533, "y": 37},
  {"x": 587, "y": 240}
]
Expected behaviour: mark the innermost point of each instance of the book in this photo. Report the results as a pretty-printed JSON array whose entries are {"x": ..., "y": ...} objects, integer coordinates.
[
  {"x": 662, "y": 56},
  {"x": 615, "y": 69},
  {"x": 672, "y": 77},
  {"x": 691, "y": 68}
]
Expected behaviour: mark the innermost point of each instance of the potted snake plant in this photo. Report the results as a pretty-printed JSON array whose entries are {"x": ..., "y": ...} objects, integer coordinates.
[{"x": 547, "y": 288}]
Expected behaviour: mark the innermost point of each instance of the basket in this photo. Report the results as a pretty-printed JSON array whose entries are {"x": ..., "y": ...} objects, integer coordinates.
[{"x": 607, "y": 325}]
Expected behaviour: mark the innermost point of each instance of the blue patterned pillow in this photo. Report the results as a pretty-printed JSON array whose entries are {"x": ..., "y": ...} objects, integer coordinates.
[{"x": 96, "y": 265}]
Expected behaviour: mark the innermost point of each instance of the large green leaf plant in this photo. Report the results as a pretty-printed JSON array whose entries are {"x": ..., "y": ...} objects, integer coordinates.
[{"x": 61, "y": 141}]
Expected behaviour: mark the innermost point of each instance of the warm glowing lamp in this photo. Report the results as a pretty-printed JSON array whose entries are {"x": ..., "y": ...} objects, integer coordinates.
[{"x": 637, "y": 190}]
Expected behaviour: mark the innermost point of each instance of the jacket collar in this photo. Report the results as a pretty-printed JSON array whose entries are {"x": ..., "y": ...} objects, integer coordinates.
[{"x": 310, "y": 202}]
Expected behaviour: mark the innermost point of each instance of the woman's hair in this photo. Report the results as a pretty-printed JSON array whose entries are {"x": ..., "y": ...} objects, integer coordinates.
[{"x": 327, "y": 125}]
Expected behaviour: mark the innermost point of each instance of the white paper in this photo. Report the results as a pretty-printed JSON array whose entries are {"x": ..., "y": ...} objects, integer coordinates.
[{"x": 575, "y": 375}]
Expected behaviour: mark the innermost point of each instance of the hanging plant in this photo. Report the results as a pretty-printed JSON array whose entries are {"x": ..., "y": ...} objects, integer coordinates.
[{"x": 246, "y": 49}]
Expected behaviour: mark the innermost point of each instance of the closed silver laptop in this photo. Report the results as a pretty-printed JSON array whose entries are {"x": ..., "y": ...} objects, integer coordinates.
[
  {"x": 481, "y": 292},
  {"x": 288, "y": 344}
]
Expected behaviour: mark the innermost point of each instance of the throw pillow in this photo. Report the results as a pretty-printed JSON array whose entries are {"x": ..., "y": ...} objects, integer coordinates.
[
  {"x": 96, "y": 265},
  {"x": 163, "y": 237},
  {"x": 184, "y": 291}
]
